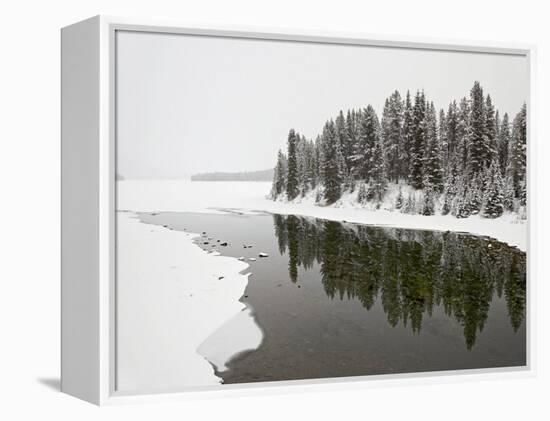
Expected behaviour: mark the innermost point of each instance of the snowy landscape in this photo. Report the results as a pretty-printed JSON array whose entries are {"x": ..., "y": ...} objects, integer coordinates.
[
  {"x": 274, "y": 224},
  {"x": 179, "y": 281},
  {"x": 466, "y": 162}
]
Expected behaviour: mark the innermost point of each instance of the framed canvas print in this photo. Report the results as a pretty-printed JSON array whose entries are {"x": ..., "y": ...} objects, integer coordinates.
[{"x": 245, "y": 208}]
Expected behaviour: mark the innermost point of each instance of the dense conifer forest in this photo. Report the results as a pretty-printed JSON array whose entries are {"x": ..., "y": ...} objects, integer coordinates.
[{"x": 465, "y": 160}]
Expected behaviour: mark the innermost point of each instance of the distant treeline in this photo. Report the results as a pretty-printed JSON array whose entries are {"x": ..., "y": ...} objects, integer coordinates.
[
  {"x": 262, "y": 175},
  {"x": 465, "y": 160}
]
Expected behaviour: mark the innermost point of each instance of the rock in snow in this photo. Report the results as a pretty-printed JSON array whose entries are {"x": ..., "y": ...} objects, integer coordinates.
[
  {"x": 263, "y": 255},
  {"x": 252, "y": 259}
]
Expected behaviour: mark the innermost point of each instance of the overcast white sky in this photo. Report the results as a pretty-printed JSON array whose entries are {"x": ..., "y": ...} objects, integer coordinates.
[{"x": 189, "y": 104}]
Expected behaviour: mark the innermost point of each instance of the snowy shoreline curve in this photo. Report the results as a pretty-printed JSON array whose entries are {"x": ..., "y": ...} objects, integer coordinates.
[
  {"x": 174, "y": 301},
  {"x": 206, "y": 197}
]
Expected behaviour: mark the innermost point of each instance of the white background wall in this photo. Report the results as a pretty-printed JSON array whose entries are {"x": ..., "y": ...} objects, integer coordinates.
[{"x": 29, "y": 195}]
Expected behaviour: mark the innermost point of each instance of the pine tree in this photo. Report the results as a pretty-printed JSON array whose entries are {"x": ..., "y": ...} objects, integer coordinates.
[
  {"x": 376, "y": 173},
  {"x": 504, "y": 143},
  {"x": 399, "y": 200},
  {"x": 518, "y": 151},
  {"x": 310, "y": 164},
  {"x": 508, "y": 194},
  {"x": 301, "y": 162},
  {"x": 522, "y": 211},
  {"x": 279, "y": 175},
  {"x": 452, "y": 187},
  {"x": 292, "y": 172},
  {"x": 463, "y": 122},
  {"x": 490, "y": 132},
  {"x": 362, "y": 195},
  {"x": 392, "y": 128},
  {"x": 475, "y": 194},
  {"x": 460, "y": 205},
  {"x": 342, "y": 137},
  {"x": 428, "y": 203},
  {"x": 316, "y": 164},
  {"x": 493, "y": 205},
  {"x": 331, "y": 159},
  {"x": 410, "y": 205},
  {"x": 451, "y": 132},
  {"x": 497, "y": 125},
  {"x": 407, "y": 138},
  {"x": 350, "y": 140},
  {"x": 418, "y": 139},
  {"x": 433, "y": 173},
  {"x": 477, "y": 142},
  {"x": 523, "y": 193},
  {"x": 443, "y": 145},
  {"x": 369, "y": 131}
]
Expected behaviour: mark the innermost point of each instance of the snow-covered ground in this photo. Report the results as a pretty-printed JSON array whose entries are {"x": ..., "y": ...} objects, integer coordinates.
[
  {"x": 170, "y": 302},
  {"x": 175, "y": 195}
]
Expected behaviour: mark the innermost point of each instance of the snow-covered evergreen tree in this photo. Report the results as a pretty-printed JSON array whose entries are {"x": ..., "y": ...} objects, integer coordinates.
[
  {"x": 452, "y": 187},
  {"x": 460, "y": 205},
  {"x": 410, "y": 205},
  {"x": 432, "y": 168},
  {"x": 451, "y": 133},
  {"x": 428, "y": 201},
  {"x": 279, "y": 175},
  {"x": 518, "y": 151},
  {"x": 477, "y": 141},
  {"x": 399, "y": 200},
  {"x": 301, "y": 162},
  {"x": 392, "y": 131},
  {"x": 475, "y": 194},
  {"x": 342, "y": 136},
  {"x": 490, "y": 132},
  {"x": 292, "y": 172},
  {"x": 376, "y": 175},
  {"x": 463, "y": 122},
  {"x": 310, "y": 164},
  {"x": 503, "y": 143},
  {"x": 493, "y": 202},
  {"x": 418, "y": 139},
  {"x": 443, "y": 144},
  {"x": 331, "y": 164},
  {"x": 350, "y": 140},
  {"x": 523, "y": 193},
  {"x": 407, "y": 138},
  {"x": 369, "y": 132},
  {"x": 362, "y": 195},
  {"x": 316, "y": 163}
]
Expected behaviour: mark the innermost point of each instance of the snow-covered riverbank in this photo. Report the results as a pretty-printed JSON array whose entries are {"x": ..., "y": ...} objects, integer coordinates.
[
  {"x": 173, "y": 195},
  {"x": 172, "y": 299}
]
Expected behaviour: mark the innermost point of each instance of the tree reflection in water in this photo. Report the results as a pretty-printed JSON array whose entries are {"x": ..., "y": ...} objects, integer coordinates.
[{"x": 410, "y": 271}]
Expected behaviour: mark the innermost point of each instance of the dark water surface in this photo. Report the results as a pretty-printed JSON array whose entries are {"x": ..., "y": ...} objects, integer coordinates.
[{"x": 339, "y": 299}]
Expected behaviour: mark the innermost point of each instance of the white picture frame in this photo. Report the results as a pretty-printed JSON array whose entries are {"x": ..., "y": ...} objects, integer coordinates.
[{"x": 88, "y": 129}]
